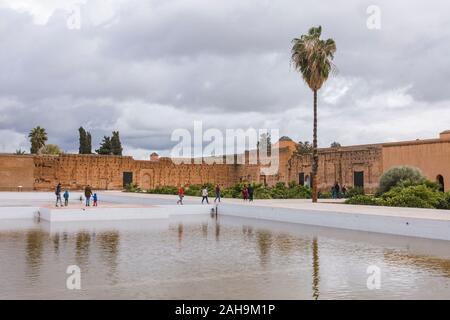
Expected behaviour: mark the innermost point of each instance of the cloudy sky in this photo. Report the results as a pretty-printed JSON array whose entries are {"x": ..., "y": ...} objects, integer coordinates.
[{"x": 146, "y": 68}]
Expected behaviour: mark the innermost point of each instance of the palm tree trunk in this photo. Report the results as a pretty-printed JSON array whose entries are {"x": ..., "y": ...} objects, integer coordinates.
[{"x": 315, "y": 162}]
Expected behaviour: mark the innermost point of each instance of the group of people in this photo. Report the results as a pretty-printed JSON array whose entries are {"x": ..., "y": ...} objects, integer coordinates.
[
  {"x": 87, "y": 193},
  {"x": 337, "y": 192},
  {"x": 204, "y": 192},
  {"x": 247, "y": 194}
]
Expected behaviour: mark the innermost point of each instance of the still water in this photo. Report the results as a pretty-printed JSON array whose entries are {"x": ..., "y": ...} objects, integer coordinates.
[{"x": 209, "y": 258}]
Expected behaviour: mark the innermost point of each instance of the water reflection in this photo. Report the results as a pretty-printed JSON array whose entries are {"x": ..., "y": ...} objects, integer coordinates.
[
  {"x": 251, "y": 260},
  {"x": 264, "y": 240},
  {"x": 82, "y": 243},
  {"x": 205, "y": 230},
  {"x": 217, "y": 230},
  {"x": 315, "y": 264},
  {"x": 56, "y": 243},
  {"x": 109, "y": 247},
  {"x": 441, "y": 266},
  {"x": 34, "y": 251},
  {"x": 180, "y": 233}
]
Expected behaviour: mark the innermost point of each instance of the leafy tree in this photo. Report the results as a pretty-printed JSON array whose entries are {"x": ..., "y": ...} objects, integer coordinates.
[
  {"x": 304, "y": 147},
  {"x": 50, "y": 149},
  {"x": 105, "y": 146},
  {"x": 400, "y": 175},
  {"x": 116, "y": 145},
  {"x": 312, "y": 57},
  {"x": 335, "y": 145},
  {"x": 38, "y": 137}
]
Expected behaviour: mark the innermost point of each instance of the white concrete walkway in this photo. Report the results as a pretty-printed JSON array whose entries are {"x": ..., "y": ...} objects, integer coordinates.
[{"x": 425, "y": 223}]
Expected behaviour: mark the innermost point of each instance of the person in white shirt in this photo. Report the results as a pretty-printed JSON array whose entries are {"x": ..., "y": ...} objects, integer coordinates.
[{"x": 205, "y": 195}]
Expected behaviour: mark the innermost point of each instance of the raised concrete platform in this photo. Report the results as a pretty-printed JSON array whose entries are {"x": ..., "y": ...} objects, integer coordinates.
[
  {"x": 422, "y": 223},
  {"x": 427, "y": 225},
  {"x": 121, "y": 213}
]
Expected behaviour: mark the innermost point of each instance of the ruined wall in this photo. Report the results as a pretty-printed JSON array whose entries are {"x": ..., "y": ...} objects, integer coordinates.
[
  {"x": 43, "y": 172},
  {"x": 340, "y": 164},
  {"x": 335, "y": 164},
  {"x": 15, "y": 171}
]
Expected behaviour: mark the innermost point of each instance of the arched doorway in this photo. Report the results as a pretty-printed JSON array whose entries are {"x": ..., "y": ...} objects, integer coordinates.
[{"x": 440, "y": 181}]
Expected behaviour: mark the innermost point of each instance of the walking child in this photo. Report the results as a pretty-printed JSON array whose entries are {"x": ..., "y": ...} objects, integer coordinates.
[{"x": 66, "y": 198}]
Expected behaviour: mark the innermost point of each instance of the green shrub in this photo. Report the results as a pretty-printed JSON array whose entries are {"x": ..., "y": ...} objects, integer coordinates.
[
  {"x": 325, "y": 195},
  {"x": 405, "y": 176},
  {"x": 364, "y": 200},
  {"x": 444, "y": 203},
  {"x": 164, "y": 190},
  {"x": 355, "y": 191},
  {"x": 419, "y": 196},
  {"x": 132, "y": 187}
]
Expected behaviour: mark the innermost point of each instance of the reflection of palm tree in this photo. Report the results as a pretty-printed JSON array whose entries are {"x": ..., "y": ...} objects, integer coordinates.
[
  {"x": 264, "y": 239},
  {"x": 315, "y": 275}
]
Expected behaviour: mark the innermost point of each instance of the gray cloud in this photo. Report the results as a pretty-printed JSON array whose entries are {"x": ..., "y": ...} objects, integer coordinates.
[{"x": 155, "y": 66}]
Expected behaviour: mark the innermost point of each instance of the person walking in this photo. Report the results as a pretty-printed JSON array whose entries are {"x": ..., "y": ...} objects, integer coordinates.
[
  {"x": 58, "y": 195},
  {"x": 88, "y": 194},
  {"x": 251, "y": 191},
  {"x": 337, "y": 189},
  {"x": 66, "y": 198},
  {"x": 205, "y": 195},
  {"x": 333, "y": 192},
  {"x": 95, "y": 198},
  {"x": 218, "y": 195},
  {"x": 344, "y": 191},
  {"x": 245, "y": 193},
  {"x": 180, "y": 195}
]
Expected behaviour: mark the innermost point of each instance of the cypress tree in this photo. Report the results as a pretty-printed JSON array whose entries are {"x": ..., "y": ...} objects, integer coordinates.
[
  {"x": 88, "y": 143},
  {"x": 83, "y": 137},
  {"x": 105, "y": 146},
  {"x": 116, "y": 145}
]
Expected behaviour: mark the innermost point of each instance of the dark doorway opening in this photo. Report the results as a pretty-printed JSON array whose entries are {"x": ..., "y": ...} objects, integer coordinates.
[
  {"x": 301, "y": 178},
  {"x": 358, "y": 179},
  {"x": 440, "y": 181},
  {"x": 127, "y": 178}
]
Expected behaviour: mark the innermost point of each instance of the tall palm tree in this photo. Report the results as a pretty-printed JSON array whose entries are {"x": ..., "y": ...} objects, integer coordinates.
[
  {"x": 38, "y": 137},
  {"x": 312, "y": 57}
]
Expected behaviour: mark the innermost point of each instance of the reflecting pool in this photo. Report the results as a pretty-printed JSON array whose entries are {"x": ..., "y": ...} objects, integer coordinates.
[{"x": 217, "y": 258}]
